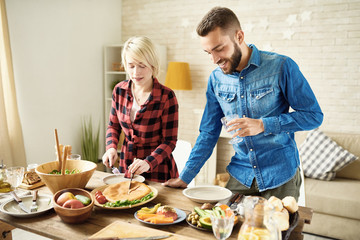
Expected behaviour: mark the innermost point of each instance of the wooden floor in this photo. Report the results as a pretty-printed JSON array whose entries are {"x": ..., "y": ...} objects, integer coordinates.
[{"x": 19, "y": 234}]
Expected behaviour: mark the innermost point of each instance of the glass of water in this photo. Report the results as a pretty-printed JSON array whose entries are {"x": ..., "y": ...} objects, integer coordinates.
[
  {"x": 15, "y": 176},
  {"x": 222, "y": 226},
  {"x": 227, "y": 119}
]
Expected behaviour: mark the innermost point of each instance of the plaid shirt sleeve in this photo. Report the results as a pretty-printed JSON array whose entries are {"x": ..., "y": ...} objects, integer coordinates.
[
  {"x": 114, "y": 129},
  {"x": 169, "y": 131}
]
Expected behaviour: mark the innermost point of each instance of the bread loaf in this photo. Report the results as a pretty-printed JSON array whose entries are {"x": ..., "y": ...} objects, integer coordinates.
[
  {"x": 276, "y": 203},
  {"x": 290, "y": 204},
  {"x": 282, "y": 220},
  {"x": 31, "y": 178}
]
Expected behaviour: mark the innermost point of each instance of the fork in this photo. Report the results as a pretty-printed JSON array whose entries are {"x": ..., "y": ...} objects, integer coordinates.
[{"x": 34, "y": 207}]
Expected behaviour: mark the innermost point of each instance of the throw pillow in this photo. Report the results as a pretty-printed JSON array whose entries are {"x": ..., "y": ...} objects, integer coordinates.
[{"x": 322, "y": 157}]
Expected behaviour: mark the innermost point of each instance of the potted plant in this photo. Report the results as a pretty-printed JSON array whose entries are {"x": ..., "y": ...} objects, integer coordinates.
[{"x": 90, "y": 141}]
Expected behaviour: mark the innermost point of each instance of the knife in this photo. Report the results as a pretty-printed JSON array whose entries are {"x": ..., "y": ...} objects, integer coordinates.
[
  {"x": 132, "y": 238},
  {"x": 19, "y": 201},
  {"x": 132, "y": 175}
]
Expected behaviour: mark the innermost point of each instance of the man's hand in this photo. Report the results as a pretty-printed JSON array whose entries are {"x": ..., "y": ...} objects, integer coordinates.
[
  {"x": 246, "y": 127},
  {"x": 109, "y": 157},
  {"x": 175, "y": 183}
]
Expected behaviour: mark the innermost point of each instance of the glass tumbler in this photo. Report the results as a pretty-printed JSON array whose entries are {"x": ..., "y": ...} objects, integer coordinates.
[
  {"x": 222, "y": 226},
  {"x": 227, "y": 119}
]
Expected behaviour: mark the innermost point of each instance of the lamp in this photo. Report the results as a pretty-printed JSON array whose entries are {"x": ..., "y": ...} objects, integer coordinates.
[{"x": 178, "y": 76}]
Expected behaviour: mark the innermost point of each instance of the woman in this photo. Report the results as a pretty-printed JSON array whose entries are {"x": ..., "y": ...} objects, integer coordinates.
[{"x": 147, "y": 113}]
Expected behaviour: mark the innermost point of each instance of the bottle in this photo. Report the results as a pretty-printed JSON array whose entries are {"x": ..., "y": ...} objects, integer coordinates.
[
  {"x": 258, "y": 223},
  {"x": 4, "y": 186}
]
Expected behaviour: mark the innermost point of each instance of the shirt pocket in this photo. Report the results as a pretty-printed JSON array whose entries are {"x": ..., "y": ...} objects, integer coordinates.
[
  {"x": 262, "y": 100},
  {"x": 227, "y": 101}
]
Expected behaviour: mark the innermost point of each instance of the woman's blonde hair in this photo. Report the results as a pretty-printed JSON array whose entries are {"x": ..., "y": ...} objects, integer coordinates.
[{"x": 141, "y": 49}]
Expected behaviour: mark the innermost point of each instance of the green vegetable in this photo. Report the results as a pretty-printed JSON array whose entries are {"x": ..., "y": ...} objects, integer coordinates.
[
  {"x": 202, "y": 213},
  {"x": 124, "y": 203},
  {"x": 67, "y": 171},
  {"x": 85, "y": 200}
]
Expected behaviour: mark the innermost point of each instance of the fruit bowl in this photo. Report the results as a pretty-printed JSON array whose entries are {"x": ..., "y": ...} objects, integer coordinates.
[
  {"x": 56, "y": 182},
  {"x": 71, "y": 215}
]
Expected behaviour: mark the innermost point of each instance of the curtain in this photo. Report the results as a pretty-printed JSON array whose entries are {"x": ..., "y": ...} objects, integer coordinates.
[{"x": 12, "y": 150}]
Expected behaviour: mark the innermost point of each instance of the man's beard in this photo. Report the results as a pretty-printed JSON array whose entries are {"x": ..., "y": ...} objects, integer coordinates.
[{"x": 234, "y": 60}]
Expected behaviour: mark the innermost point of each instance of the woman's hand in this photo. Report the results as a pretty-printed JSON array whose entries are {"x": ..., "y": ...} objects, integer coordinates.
[
  {"x": 109, "y": 157},
  {"x": 139, "y": 166}
]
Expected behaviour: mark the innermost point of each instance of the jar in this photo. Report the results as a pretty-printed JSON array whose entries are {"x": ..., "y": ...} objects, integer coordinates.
[
  {"x": 3, "y": 172},
  {"x": 258, "y": 223}
]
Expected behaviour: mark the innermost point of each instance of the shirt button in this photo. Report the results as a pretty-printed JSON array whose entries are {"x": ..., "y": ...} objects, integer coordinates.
[
  {"x": 241, "y": 77},
  {"x": 251, "y": 149},
  {"x": 254, "y": 166},
  {"x": 244, "y": 115},
  {"x": 242, "y": 96}
]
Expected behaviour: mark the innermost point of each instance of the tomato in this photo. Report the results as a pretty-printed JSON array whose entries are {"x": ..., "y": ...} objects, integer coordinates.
[
  {"x": 98, "y": 193},
  {"x": 101, "y": 199}
]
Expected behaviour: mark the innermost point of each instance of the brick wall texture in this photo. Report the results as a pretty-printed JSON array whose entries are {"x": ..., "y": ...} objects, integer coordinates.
[{"x": 322, "y": 36}]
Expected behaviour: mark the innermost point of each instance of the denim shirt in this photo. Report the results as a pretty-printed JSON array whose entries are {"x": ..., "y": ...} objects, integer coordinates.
[{"x": 265, "y": 89}]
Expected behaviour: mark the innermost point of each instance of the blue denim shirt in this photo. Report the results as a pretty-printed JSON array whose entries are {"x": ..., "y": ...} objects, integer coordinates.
[{"x": 266, "y": 88}]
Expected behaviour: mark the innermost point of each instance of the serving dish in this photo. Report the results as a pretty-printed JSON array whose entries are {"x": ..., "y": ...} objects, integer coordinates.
[
  {"x": 116, "y": 178},
  {"x": 11, "y": 207},
  {"x": 196, "y": 227},
  {"x": 154, "y": 190},
  {"x": 181, "y": 216},
  {"x": 207, "y": 194}
]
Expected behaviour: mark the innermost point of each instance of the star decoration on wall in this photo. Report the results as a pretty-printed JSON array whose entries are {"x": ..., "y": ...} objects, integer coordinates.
[
  {"x": 305, "y": 16},
  {"x": 248, "y": 27},
  {"x": 264, "y": 23},
  {"x": 291, "y": 19},
  {"x": 288, "y": 34},
  {"x": 267, "y": 47}
]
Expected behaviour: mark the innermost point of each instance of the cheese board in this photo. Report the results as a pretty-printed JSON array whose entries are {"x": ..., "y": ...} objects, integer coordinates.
[{"x": 32, "y": 186}]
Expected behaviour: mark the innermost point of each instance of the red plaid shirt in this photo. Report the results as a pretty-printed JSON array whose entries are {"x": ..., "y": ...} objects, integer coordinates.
[{"x": 153, "y": 134}]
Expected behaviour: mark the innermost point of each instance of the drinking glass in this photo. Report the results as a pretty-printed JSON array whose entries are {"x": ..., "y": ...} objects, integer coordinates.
[
  {"x": 222, "y": 226},
  {"x": 15, "y": 176},
  {"x": 227, "y": 119}
]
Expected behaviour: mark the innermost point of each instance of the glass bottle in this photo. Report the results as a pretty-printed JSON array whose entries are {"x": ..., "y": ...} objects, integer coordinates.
[{"x": 258, "y": 223}]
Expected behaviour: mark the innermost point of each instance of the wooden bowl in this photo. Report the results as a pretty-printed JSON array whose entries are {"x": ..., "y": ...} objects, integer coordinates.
[
  {"x": 69, "y": 215},
  {"x": 57, "y": 182}
]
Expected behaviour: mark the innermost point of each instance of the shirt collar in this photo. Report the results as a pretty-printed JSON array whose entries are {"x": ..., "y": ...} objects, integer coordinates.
[
  {"x": 255, "y": 56},
  {"x": 155, "y": 94}
]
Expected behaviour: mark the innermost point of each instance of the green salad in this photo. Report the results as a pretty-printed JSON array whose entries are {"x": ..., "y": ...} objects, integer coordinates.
[
  {"x": 67, "y": 171},
  {"x": 125, "y": 203}
]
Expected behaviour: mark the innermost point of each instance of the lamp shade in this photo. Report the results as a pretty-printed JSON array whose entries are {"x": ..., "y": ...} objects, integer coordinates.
[{"x": 178, "y": 76}]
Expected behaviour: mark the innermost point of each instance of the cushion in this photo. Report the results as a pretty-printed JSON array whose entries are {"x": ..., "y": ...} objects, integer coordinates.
[{"x": 322, "y": 157}]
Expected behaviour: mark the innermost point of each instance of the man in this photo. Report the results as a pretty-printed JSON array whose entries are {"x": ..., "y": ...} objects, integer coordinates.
[{"x": 260, "y": 87}]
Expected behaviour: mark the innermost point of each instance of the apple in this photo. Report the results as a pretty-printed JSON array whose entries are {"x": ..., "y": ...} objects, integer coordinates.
[
  {"x": 64, "y": 197},
  {"x": 73, "y": 204}
]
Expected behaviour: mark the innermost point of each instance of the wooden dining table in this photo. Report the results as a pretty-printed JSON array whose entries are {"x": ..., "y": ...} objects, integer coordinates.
[{"x": 51, "y": 226}]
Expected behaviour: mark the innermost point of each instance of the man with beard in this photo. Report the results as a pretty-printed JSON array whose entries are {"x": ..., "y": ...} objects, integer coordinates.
[{"x": 259, "y": 87}]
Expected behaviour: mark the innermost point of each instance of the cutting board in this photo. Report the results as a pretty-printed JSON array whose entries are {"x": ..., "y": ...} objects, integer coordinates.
[
  {"x": 32, "y": 186},
  {"x": 124, "y": 229}
]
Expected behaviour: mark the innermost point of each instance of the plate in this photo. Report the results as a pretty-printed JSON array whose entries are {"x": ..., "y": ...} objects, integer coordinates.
[
  {"x": 207, "y": 194},
  {"x": 116, "y": 178},
  {"x": 181, "y": 216},
  {"x": 12, "y": 208},
  {"x": 194, "y": 226},
  {"x": 154, "y": 190}
]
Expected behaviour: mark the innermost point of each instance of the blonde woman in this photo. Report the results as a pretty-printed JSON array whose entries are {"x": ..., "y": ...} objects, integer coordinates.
[{"x": 147, "y": 113}]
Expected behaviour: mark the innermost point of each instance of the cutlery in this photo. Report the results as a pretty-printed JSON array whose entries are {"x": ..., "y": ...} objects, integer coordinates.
[
  {"x": 132, "y": 238},
  {"x": 34, "y": 207},
  {"x": 19, "y": 201},
  {"x": 132, "y": 175}
]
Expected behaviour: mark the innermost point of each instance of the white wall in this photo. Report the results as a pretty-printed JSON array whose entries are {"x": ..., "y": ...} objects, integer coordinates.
[{"x": 57, "y": 49}]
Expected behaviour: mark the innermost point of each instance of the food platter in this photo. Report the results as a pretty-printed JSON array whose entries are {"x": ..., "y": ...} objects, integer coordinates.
[
  {"x": 116, "y": 178},
  {"x": 181, "y": 216},
  {"x": 207, "y": 194},
  {"x": 196, "y": 227},
  {"x": 154, "y": 190},
  {"x": 12, "y": 208}
]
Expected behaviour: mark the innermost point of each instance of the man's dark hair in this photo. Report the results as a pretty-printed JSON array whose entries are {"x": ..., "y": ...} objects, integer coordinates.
[{"x": 218, "y": 17}]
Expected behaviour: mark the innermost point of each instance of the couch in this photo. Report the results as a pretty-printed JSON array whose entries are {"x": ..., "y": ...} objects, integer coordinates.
[{"x": 336, "y": 203}]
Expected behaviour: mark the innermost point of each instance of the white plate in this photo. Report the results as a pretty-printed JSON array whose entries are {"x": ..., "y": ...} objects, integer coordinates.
[
  {"x": 207, "y": 194},
  {"x": 181, "y": 216},
  {"x": 12, "y": 208},
  {"x": 116, "y": 178}
]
